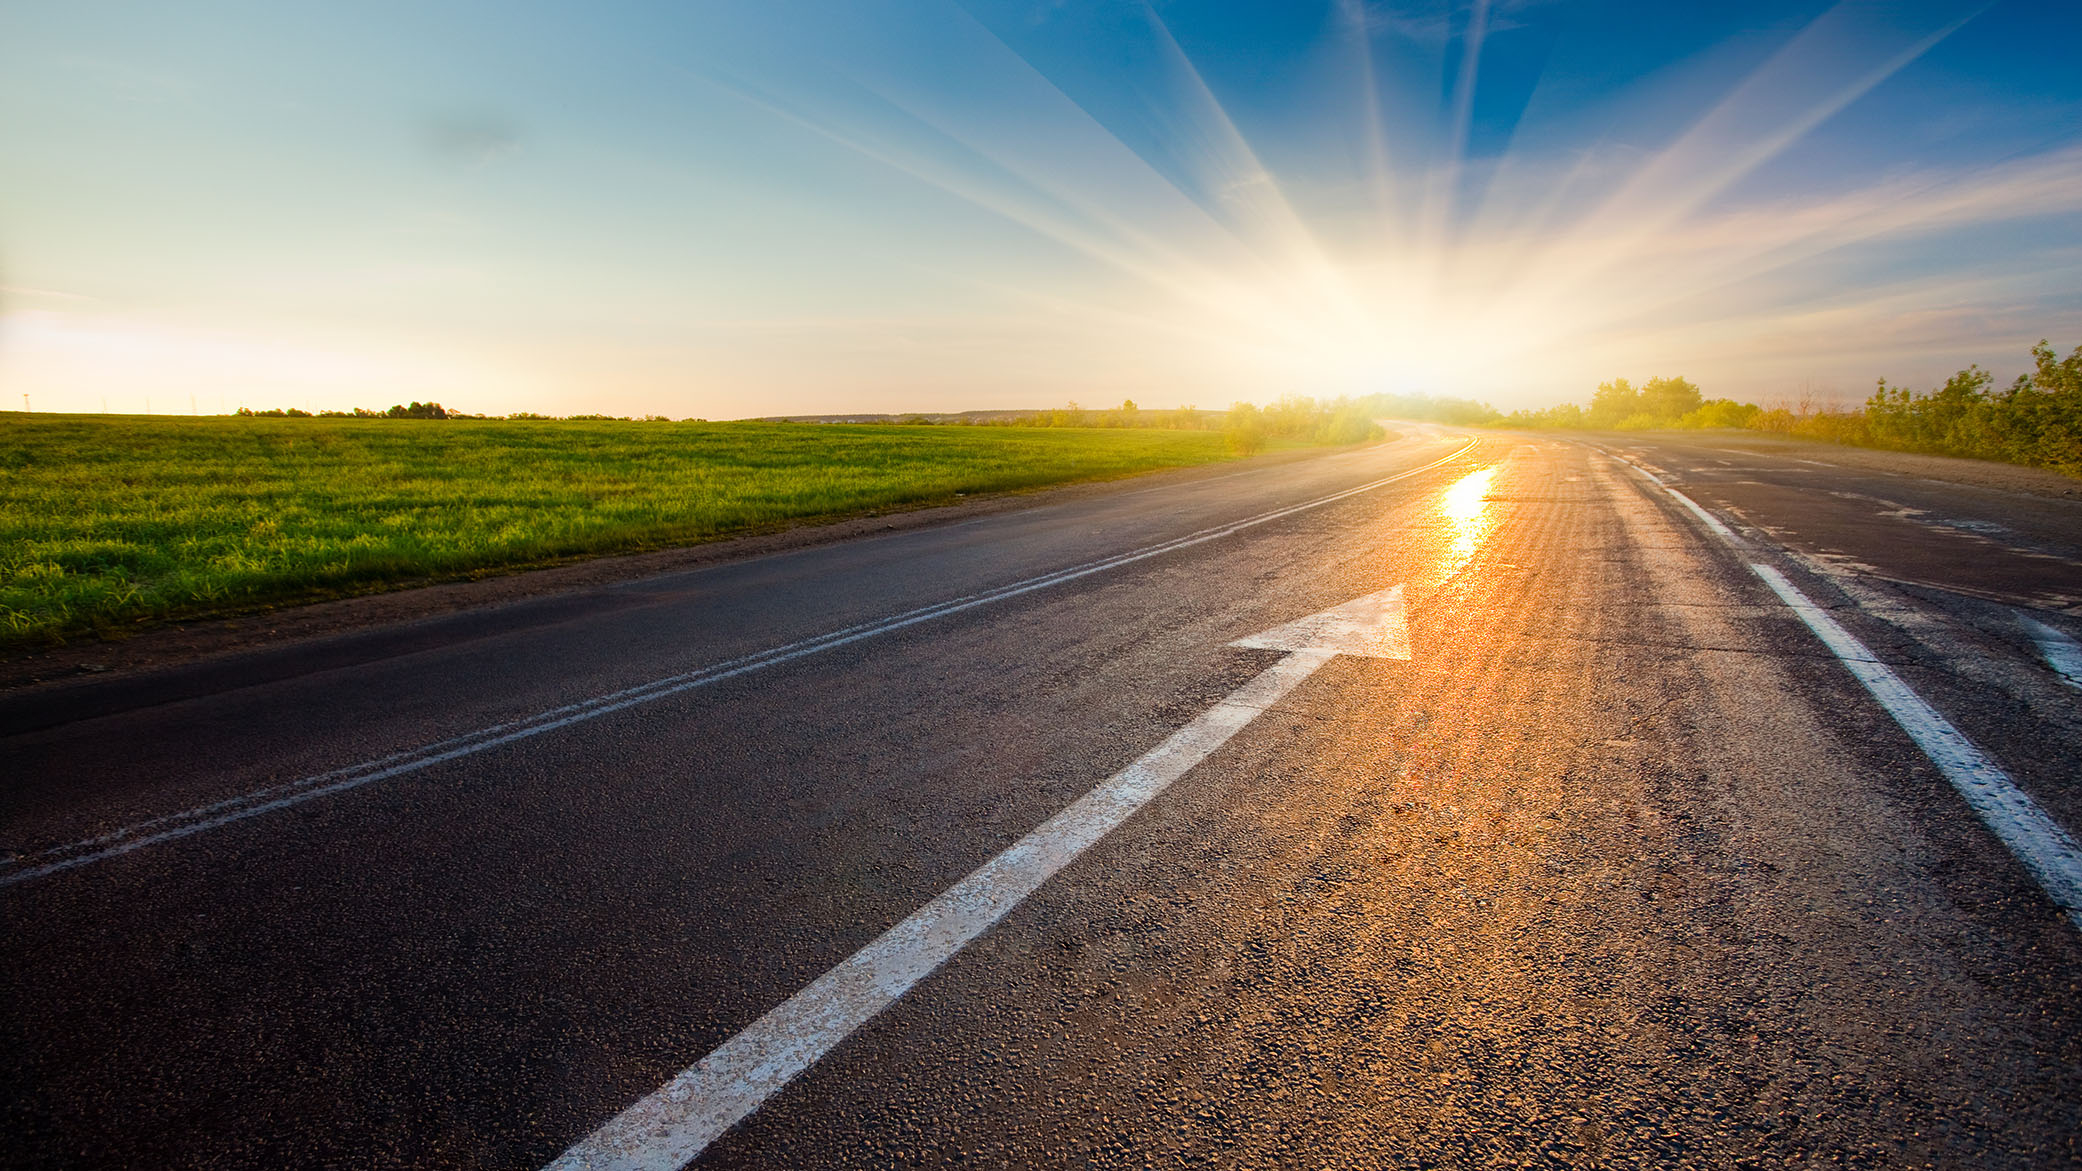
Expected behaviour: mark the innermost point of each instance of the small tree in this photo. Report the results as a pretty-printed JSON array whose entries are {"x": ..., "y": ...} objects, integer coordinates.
[
  {"x": 1670, "y": 398},
  {"x": 1615, "y": 401},
  {"x": 417, "y": 411},
  {"x": 1245, "y": 428}
]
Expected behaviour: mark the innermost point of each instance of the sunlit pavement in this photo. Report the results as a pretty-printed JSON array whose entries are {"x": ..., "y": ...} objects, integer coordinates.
[{"x": 1621, "y": 867}]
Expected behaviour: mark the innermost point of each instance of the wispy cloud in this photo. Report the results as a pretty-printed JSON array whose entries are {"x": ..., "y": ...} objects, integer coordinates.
[
  {"x": 472, "y": 136},
  {"x": 41, "y": 294},
  {"x": 1435, "y": 22}
]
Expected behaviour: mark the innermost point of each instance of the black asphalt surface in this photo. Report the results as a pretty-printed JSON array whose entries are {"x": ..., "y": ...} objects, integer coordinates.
[{"x": 1621, "y": 869}]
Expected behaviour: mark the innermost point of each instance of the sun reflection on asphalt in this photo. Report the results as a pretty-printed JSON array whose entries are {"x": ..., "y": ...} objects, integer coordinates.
[{"x": 1469, "y": 516}]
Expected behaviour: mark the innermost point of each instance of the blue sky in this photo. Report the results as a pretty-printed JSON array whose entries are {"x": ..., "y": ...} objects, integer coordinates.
[{"x": 727, "y": 210}]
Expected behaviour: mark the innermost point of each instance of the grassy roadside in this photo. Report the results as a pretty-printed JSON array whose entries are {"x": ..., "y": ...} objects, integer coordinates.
[
  {"x": 112, "y": 523},
  {"x": 2034, "y": 422}
]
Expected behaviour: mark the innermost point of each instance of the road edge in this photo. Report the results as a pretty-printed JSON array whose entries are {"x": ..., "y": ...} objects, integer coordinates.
[{"x": 91, "y": 662}]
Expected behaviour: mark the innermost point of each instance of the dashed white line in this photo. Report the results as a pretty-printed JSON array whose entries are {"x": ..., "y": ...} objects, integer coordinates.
[
  {"x": 2061, "y": 653},
  {"x": 1706, "y": 518},
  {"x": 2046, "y": 849},
  {"x": 1711, "y": 521}
]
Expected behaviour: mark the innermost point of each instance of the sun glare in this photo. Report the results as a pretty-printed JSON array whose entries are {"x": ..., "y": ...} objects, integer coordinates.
[{"x": 1468, "y": 515}]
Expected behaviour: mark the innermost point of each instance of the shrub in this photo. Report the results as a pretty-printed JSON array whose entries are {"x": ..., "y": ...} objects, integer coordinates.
[
  {"x": 1721, "y": 412},
  {"x": 2036, "y": 420}
]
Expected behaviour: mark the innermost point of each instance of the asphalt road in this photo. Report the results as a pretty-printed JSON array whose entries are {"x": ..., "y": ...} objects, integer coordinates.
[{"x": 1624, "y": 866}]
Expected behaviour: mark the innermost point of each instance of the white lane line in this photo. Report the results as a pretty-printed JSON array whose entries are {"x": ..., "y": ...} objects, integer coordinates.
[
  {"x": 1711, "y": 521},
  {"x": 1706, "y": 518},
  {"x": 666, "y": 1130},
  {"x": 2061, "y": 653},
  {"x": 671, "y": 1127},
  {"x": 2047, "y": 850},
  {"x": 173, "y": 826}
]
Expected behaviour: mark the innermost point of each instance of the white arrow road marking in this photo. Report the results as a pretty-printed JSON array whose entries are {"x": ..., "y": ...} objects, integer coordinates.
[
  {"x": 668, "y": 1129},
  {"x": 1375, "y": 626},
  {"x": 174, "y": 826}
]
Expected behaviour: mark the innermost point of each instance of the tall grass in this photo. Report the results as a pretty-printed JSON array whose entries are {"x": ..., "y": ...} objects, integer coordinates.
[{"x": 108, "y": 522}]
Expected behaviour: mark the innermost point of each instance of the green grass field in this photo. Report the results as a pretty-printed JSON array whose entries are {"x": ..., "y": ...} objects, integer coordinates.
[{"x": 110, "y": 522}]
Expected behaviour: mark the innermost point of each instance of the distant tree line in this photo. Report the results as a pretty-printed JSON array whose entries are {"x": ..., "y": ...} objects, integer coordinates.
[
  {"x": 1125, "y": 415},
  {"x": 1247, "y": 426},
  {"x": 1463, "y": 412},
  {"x": 1658, "y": 404},
  {"x": 2036, "y": 420},
  {"x": 413, "y": 411},
  {"x": 437, "y": 411}
]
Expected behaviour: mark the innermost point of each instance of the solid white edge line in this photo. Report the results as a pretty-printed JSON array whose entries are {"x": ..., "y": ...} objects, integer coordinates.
[
  {"x": 672, "y": 1126},
  {"x": 275, "y": 797},
  {"x": 2045, "y": 849}
]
